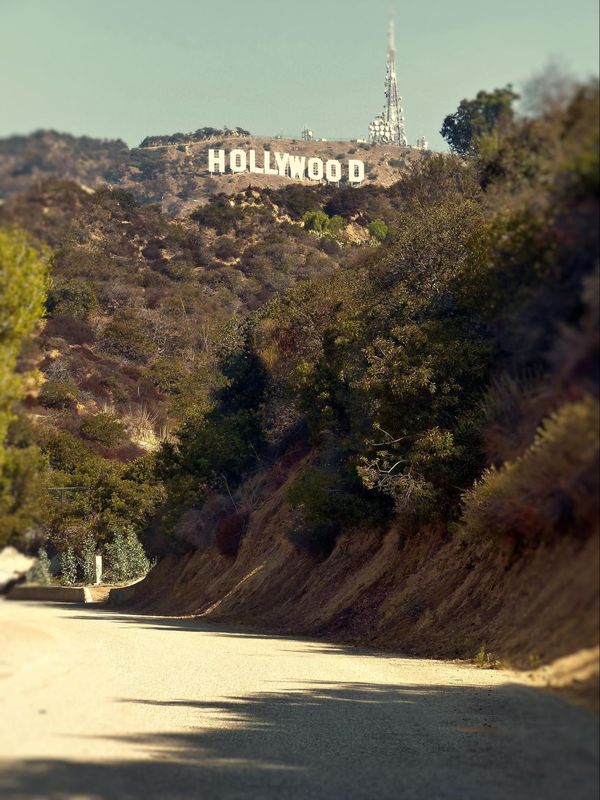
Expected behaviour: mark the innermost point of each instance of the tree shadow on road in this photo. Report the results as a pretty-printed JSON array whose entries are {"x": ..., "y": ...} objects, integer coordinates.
[
  {"x": 328, "y": 741},
  {"x": 221, "y": 629}
]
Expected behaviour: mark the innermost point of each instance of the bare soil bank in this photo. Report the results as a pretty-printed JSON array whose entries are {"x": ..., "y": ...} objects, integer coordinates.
[{"x": 426, "y": 595}]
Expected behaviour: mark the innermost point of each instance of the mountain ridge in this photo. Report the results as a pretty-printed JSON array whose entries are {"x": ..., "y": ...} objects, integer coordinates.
[{"x": 176, "y": 175}]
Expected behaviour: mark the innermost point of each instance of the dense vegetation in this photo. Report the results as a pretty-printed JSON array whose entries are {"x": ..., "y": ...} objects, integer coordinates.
[
  {"x": 427, "y": 347},
  {"x": 136, "y": 311},
  {"x": 478, "y": 118},
  {"x": 428, "y": 364},
  {"x": 197, "y": 136},
  {"x": 23, "y": 282}
]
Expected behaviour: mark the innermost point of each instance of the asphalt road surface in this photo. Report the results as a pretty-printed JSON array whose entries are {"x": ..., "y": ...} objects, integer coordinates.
[{"x": 95, "y": 704}]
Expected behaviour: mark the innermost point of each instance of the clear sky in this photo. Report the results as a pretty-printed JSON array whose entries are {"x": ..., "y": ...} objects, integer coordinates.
[{"x": 128, "y": 68}]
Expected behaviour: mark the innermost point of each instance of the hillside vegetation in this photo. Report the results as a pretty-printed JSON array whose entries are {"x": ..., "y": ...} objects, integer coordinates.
[
  {"x": 441, "y": 374},
  {"x": 137, "y": 312},
  {"x": 420, "y": 359},
  {"x": 172, "y": 170}
]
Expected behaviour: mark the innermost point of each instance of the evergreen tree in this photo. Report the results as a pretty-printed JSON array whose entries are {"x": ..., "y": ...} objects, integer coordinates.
[{"x": 23, "y": 286}]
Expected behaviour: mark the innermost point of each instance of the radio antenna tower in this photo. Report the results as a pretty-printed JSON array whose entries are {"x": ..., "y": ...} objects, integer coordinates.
[{"x": 388, "y": 127}]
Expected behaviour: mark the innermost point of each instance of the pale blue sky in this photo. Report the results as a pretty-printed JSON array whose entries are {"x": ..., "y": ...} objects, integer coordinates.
[{"x": 128, "y": 68}]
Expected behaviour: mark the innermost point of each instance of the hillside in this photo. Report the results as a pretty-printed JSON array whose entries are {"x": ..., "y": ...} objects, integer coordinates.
[
  {"x": 370, "y": 411},
  {"x": 434, "y": 406},
  {"x": 139, "y": 313},
  {"x": 424, "y": 596},
  {"x": 174, "y": 175}
]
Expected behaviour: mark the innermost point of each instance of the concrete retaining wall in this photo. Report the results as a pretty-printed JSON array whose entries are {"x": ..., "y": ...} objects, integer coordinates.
[
  {"x": 57, "y": 594},
  {"x": 123, "y": 594}
]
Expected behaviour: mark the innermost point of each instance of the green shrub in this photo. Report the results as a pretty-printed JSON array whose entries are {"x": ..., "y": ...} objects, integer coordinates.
[
  {"x": 315, "y": 221},
  {"x": 101, "y": 496},
  {"x": 125, "y": 337},
  {"x": 319, "y": 222},
  {"x": 317, "y": 540},
  {"x": 68, "y": 567},
  {"x": 24, "y": 477},
  {"x": 219, "y": 214},
  {"x": 88, "y": 560},
  {"x": 330, "y": 246},
  {"x": 58, "y": 394},
  {"x": 227, "y": 248},
  {"x": 335, "y": 225},
  {"x": 65, "y": 451},
  {"x": 328, "y": 498},
  {"x": 126, "y": 557},
  {"x": 23, "y": 283},
  {"x": 317, "y": 492},
  {"x": 40, "y": 572},
  {"x": 73, "y": 331},
  {"x": 79, "y": 263},
  {"x": 484, "y": 659},
  {"x": 103, "y": 428},
  {"x": 74, "y": 298},
  {"x": 378, "y": 230},
  {"x": 296, "y": 200}
]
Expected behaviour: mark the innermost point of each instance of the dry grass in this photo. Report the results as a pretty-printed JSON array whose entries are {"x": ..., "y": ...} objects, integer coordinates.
[
  {"x": 551, "y": 490},
  {"x": 144, "y": 429}
]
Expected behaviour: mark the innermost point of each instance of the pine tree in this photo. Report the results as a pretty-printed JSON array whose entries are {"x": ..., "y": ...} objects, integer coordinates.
[
  {"x": 40, "y": 572},
  {"x": 88, "y": 557},
  {"x": 68, "y": 567}
]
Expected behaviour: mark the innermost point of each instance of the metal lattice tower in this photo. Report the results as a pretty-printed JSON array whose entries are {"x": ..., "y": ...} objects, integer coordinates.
[{"x": 388, "y": 127}]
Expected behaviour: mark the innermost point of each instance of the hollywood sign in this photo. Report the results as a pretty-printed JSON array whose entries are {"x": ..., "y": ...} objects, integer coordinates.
[{"x": 291, "y": 166}]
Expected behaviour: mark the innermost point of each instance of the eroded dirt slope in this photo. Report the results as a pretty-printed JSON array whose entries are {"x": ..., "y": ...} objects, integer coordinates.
[{"x": 422, "y": 595}]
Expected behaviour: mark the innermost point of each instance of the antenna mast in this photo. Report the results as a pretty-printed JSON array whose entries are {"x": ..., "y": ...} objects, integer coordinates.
[{"x": 388, "y": 127}]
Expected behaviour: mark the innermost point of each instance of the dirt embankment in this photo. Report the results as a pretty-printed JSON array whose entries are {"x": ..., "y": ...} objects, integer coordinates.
[{"x": 425, "y": 595}]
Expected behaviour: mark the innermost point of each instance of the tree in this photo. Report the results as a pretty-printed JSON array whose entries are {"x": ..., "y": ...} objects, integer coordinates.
[
  {"x": 88, "y": 560},
  {"x": 378, "y": 230},
  {"x": 23, "y": 286},
  {"x": 549, "y": 90},
  {"x": 476, "y": 118},
  {"x": 126, "y": 557},
  {"x": 68, "y": 567},
  {"x": 40, "y": 572},
  {"x": 319, "y": 222},
  {"x": 104, "y": 428},
  {"x": 24, "y": 478},
  {"x": 75, "y": 298},
  {"x": 315, "y": 221}
]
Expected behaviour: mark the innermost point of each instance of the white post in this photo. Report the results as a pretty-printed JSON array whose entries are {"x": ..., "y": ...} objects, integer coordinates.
[{"x": 97, "y": 570}]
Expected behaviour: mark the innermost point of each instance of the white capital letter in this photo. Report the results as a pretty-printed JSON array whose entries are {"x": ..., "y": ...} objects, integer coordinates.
[
  {"x": 237, "y": 161},
  {"x": 268, "y": 168},
  {"x": 282, "y": 162},
  {"x": 333, "y": 171},
  {"x": 297, "y": 165},
  {"x": 216, "y": 160},
  {"x": 252, "y": 163},
  {"x": 315, "y": 169},
  {"x": 356, "y": 170}
]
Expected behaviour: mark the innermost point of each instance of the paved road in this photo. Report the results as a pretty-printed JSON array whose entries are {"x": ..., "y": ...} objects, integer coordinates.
[{"x": 102, "y": 705}]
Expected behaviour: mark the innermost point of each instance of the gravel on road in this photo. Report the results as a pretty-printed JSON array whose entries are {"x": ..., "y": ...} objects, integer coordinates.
[{"x": 97, "y": 704}]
